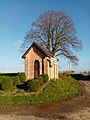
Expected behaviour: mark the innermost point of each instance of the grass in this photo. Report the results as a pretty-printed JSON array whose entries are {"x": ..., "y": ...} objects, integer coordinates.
[{"x": 59, "y": 90}]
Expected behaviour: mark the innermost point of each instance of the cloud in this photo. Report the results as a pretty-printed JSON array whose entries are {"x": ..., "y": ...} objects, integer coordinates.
[{"x": 17, "y": 43}]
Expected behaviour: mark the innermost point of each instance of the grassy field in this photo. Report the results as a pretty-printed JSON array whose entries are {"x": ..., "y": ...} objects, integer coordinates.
[{"x": 62, "y": 89}]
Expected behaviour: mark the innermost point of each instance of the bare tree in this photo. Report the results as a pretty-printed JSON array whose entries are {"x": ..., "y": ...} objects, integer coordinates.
[{"x": 55, "y": 31}]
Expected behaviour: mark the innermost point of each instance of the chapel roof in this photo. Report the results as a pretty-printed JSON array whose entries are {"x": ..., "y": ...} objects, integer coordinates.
[{"x": 39, "y": 47}]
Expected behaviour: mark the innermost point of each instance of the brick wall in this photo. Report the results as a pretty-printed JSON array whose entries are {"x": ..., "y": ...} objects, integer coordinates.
[{"x": 35, "y": 54}]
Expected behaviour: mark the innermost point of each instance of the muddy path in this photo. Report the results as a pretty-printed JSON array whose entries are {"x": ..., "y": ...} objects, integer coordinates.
[
  {"x": 77, "y": 108},
  {"x": 83, "y": 111}
]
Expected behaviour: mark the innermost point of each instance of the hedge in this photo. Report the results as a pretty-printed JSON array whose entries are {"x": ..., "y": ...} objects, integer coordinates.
[
  {"x": 16, "y": 80},
  {"x": 7, "y": 83},
  {"x": 22, "y": 77},
  {"x": 33, "y": 85},
  {"x": 45, "y": 77}
]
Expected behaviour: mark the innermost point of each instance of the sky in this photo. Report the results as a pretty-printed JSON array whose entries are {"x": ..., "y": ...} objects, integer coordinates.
[{"x": 16, "y": 17}]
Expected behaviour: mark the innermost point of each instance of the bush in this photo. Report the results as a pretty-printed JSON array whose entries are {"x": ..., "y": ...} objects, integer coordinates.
[
  {"x": 45, "y": 77},
  {"x": 60, "y": 75},
  {"x": 16, "y": 80},
  {"x": 22, "y": 77},
  {"x": 40, "y": 79},
  {"x": 1, "y": 78},
  {"x": 33, "y": 84},
  {"x": 7, "y": 83}
]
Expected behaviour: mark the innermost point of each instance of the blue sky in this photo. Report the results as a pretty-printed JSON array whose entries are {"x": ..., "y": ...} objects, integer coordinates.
[{"x": 16, "y": 17}]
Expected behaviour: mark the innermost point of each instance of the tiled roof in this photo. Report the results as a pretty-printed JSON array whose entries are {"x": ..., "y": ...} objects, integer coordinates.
[{"x": 42, "y": 49}]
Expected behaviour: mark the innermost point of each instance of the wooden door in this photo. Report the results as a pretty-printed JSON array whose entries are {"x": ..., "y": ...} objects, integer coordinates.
[{"x": 36, "y": 68}]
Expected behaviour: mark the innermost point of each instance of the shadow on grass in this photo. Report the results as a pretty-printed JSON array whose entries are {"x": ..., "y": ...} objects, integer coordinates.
[
  {"x": 0, "y": 87},
  {"x": 81, "y": 77},
  {"x": 23, "y": 86}
]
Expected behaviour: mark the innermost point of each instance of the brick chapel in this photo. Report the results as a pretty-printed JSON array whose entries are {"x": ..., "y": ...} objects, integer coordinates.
[{"x": 38, "y": 60}]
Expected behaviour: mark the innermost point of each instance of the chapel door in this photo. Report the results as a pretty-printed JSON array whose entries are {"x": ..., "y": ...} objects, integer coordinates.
[{"x": 36, "y": 68}]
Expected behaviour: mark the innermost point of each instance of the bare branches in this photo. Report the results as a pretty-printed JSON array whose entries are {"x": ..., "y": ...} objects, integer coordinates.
[{"x": 56, "y": 31}]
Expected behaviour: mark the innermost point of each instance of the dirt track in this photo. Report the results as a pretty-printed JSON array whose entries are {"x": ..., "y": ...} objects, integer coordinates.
[
  {"x": 82, "y": 113},
  {"x": 75, "y": 109}
]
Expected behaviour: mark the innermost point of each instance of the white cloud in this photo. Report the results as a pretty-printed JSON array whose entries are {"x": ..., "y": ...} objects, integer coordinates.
[{"x": 17, "y": 43}]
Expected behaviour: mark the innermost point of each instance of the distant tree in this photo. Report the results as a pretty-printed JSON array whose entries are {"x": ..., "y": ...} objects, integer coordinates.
[{"x": 54, "y": 30}]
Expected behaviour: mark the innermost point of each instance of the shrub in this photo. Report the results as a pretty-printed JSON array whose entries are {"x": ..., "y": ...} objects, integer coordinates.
[
  {"x": 40, "y": 79},
  {"x": 16, "y": 80},
  {"x": 7, "y": 83},
  {"x": 22, "y": 77},
  {"x": 1, "y": 78},
  {"x": 33, "y": 84},
  {"x": 60, "y": 75},
  {"x": 45, "y": 77}
]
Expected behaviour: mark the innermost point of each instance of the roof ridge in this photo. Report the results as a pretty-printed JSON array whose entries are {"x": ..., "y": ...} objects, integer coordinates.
[{"x": 44, "y": 50}]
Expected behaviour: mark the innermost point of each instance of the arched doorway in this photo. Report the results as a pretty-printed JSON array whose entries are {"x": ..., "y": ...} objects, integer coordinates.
[{"x": 36, "y": 68}]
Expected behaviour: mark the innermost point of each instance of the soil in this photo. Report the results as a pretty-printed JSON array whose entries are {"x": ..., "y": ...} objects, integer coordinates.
[{"x": 77, "y": 108}]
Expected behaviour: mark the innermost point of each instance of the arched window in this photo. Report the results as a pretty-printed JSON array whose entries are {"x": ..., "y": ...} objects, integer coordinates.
[{"x": 36, "y": 68}]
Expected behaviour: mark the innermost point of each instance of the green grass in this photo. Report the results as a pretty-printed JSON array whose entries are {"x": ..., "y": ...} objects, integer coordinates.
[{"x": 59, "y": 90}]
